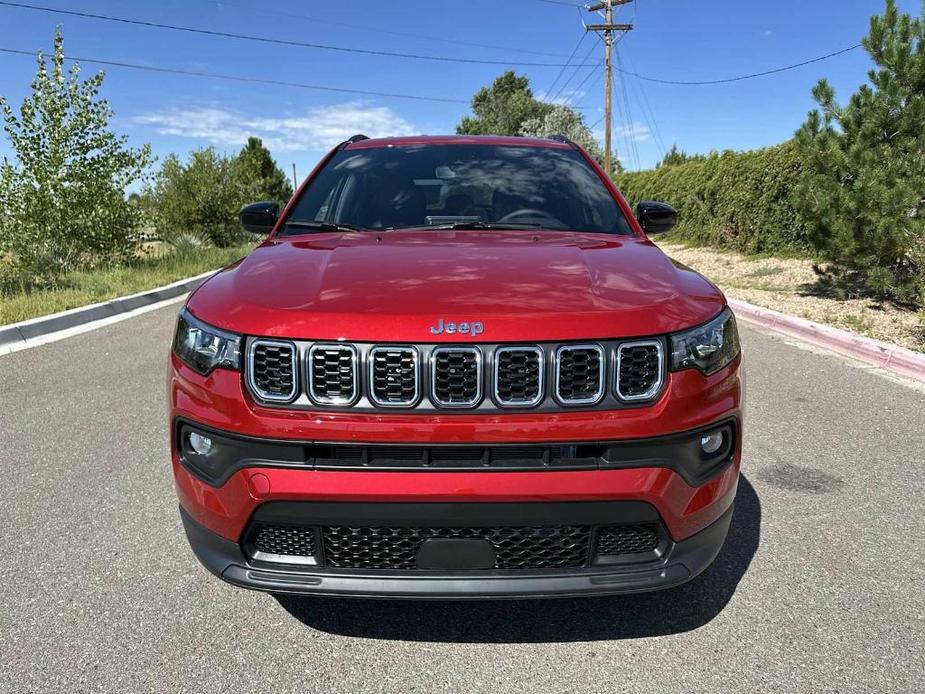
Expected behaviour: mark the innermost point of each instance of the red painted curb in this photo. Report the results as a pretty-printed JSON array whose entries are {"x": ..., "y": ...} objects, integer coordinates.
[{"x": 883, "y": 355}]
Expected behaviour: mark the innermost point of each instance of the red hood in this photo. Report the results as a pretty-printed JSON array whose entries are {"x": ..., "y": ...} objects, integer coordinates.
[{"x": 393, "y": 286}]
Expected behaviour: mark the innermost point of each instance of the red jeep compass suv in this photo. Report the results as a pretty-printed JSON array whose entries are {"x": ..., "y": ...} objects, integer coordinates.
[{"x": 457, "y": 367}]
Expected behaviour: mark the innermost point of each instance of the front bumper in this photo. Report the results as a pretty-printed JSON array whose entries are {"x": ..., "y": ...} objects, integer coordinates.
[
  {"x": 680, "y": 562},
  {"x": 693, "y": 509}
]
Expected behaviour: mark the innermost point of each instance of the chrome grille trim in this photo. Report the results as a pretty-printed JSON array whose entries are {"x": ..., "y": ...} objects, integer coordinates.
[
  {"x": 252, "y": 384},
  {"x": 660, "y": 379},
  {"x": 541, "y": 377},
  {"x": 437, "y": 351},
  {"x": 337, "y": 401},
  {"x": 371, "y": 376},
  {"x": 493, "y": 386},
  {"x": 602, "y": 367}
]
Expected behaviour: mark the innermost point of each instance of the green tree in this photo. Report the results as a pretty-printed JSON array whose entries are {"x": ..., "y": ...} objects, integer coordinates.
[
  {"x": 62, "y": 201},
  {"x": 258, "y": 175},
  {"x": 675, "y": 156},
  {"x": 503, "y": 108},
  {"x": 200, "y": 198},
  {"x": 864, "y": 165},
  {"x": 563, "y": 120}
]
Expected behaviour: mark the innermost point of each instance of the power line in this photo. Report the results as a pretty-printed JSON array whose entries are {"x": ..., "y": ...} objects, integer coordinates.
[
  {"x": 587, "y": 77},
  {"x": 388, "y": 32},
  {"x": 752, "y": 75},
  {"x": 628, "y": 110},
  {"x": 581, "y": 40},
  {"x": 647, "y": 111},
  {"x": 267, "y": 39},
  {"x": 245, "y": 79},
  {"x": 239, "y": 78},
  {"x": 578, "y": 67},
  {"x": 560, "y": 2}
]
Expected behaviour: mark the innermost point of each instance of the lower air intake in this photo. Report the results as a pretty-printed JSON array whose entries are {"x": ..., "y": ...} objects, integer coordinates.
[
  {"x": 515, "y": 547},
  {"x": 614, "y": 540},
  {"x": 285, "y": 540}
]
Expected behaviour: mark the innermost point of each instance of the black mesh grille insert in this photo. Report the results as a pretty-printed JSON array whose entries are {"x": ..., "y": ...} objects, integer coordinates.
[
  {"x": 640, "y": 370},
  {"x": 333, "y": 374},
  {"x": 456, "y": 377},
  {"x": 580, "y": 374},
  {"x": 518, "y": 378},
  {"x": 272, "y": 370},
  {"x": 291, "y": 540},
  {"x": 515, "y": 547},
  {"x": 393, "y": 379},
  {"x": 627, "y": 539}
]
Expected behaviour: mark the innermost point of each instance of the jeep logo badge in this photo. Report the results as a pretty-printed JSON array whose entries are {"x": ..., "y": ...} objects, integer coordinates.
[{"x": 473, "y": 328}]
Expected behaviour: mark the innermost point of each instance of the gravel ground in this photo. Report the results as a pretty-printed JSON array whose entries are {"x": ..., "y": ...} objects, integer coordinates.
[
  {"x": 790, "y": 285},
  {"x": 819, "y": 587}
]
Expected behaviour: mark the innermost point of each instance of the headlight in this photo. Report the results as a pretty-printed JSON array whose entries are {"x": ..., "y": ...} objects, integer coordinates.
[
  {"x": 204, "y": 348},
  {"x": 708, "y": 347}
]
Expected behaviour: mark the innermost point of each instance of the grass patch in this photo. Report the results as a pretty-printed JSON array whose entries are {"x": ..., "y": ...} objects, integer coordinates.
[
  {"x": 92, "y": 286},
  {"x": 766, "y": 271},
  {"x": 858, "y": 324}
]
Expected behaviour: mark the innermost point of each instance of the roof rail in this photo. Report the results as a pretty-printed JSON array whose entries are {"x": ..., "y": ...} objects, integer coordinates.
[
  {"x": 560, "y": 138},
  {"x": 350, "y": 140}
]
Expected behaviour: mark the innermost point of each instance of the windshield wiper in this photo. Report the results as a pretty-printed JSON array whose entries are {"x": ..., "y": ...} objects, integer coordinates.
[
  {"x": 321, "y": 226},
  {"x": 475, "y": 226}
]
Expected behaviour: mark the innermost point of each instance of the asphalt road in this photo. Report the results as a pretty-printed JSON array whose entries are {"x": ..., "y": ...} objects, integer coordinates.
[{"x": 820, "y": 586}]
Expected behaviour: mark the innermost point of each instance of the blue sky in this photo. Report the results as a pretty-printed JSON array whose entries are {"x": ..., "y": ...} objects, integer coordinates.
[{"x": 673, "y": 39}]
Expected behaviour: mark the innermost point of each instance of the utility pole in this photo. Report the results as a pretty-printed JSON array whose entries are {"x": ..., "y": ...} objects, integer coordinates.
[
  {"x": 295, "y": 181},
  {"x": 606, "y": 30}
]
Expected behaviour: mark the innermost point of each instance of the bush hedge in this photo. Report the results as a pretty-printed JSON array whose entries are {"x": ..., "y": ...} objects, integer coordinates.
[{"x": 738, "y": 200}]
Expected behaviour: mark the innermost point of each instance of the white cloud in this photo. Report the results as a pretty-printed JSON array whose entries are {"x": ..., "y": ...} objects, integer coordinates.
[
  {"x": 633, "y": 131},
  {"x": 318, "y": 128}
]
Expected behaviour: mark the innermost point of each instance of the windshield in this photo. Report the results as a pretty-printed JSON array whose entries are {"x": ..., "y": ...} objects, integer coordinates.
[{"x": 482, "y": 186}]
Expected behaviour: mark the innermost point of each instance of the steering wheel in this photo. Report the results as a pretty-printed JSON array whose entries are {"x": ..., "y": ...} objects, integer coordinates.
[{"x": 530, "y": 214}]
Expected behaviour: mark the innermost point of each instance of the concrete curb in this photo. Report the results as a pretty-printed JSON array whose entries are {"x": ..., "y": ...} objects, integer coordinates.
[
  {"x": 882, "y": 355},
  {"x": 15, "y": 334}
]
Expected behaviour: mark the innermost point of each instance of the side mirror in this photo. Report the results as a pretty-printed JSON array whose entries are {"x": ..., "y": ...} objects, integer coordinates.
[
  {"x": 259, "y": 217},
  {"x": 656, "y": 217}
]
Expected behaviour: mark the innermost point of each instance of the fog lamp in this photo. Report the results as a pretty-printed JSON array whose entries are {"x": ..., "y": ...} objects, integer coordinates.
[
  {"x": 712, "y": 442},
  {"x": 199, "y": 443}
]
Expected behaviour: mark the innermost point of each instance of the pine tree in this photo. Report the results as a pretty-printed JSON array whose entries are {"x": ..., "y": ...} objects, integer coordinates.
[
  {"x": 863, "y": 183},
  {"x": 259, "y": 176}
]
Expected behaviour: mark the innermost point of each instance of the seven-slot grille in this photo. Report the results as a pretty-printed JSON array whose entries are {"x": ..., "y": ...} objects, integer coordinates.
[
  {"x": 273, "y": 369},
  {"x": 452, "y": 376},
  {"x": 580, "y": 374},
  {"x": 332, "y": 374},
  {"x": 518, "y": 376},
  {"x": 456, "y": 376},
  {"x": 393, "y": 376},
  {"x": 639, "y": 369}
]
